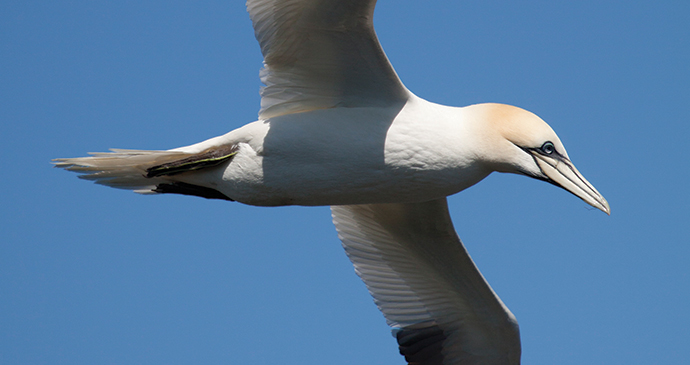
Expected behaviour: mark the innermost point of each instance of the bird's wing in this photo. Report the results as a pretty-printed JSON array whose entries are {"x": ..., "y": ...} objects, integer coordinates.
[
  {"x": 441, "y": 308},
  {"x": 321, "y": 54}
]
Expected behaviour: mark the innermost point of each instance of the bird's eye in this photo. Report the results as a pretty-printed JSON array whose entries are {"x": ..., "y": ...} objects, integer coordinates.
[{"x": 547, "y": 148}]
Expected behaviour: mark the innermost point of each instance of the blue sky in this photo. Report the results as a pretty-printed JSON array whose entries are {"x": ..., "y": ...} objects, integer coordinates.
[{"x": 96, "y": 275}]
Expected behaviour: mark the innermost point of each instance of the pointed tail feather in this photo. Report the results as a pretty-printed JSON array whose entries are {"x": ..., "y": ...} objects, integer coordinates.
[
  {"x": 122, "y": 169},
  {"x": 143, "y": 171}
]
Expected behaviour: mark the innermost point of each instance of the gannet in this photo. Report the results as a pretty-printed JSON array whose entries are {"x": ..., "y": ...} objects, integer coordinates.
[{"x": 337, "y": 127}]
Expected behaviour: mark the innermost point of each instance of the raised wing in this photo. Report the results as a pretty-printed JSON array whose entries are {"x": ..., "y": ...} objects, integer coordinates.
[
  {"x": 441, "y": 308},
  {"x": 321, "y": 54}
]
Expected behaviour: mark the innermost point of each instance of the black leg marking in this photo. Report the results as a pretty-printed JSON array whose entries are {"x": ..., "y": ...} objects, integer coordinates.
[{"x": 177, "y": 187}]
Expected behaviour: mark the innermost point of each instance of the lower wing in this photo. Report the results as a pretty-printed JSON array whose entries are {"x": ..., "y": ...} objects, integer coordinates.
[{"x": 441, "y": 308}]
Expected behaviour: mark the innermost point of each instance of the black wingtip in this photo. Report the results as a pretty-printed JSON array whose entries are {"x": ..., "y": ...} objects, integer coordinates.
[{"x": 421, "y": 345}]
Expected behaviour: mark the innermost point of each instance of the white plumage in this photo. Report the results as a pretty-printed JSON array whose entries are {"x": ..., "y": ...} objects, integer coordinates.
[{"x": 337, "y": 127}]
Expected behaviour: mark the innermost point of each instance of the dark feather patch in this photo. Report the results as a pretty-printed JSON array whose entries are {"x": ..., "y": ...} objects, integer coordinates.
[
  {"x": 177, "y": 187},
  {"x": 212, "y": 157},
  {"x": 421, "y": 345}
]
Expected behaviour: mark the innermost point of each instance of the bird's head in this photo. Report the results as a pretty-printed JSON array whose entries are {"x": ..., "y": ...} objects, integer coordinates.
[{"x": 517, "y": 141}]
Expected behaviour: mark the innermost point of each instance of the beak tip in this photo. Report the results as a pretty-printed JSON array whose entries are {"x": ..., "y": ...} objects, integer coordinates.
[{"x": 605, "y": 206}]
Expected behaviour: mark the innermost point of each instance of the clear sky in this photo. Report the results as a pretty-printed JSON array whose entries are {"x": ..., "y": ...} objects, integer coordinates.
[{"x": 93, "y": 275}]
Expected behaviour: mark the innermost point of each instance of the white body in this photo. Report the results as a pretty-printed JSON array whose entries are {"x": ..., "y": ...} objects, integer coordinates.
[
  {"x": 346, "y": 156},
  {"x": 337, "y": 127}
]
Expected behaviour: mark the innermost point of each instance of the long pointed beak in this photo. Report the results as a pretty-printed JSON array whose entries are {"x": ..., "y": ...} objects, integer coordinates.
[{"x": 561, "y": 172}]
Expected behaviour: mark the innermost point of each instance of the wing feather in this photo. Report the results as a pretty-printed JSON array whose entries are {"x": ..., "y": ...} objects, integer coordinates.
[
  {"x": 441, "y": 308},
  {"x": 321, "y": 54}
]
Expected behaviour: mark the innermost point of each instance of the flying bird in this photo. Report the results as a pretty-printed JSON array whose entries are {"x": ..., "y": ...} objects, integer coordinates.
[{"x": 337, "y": 127}]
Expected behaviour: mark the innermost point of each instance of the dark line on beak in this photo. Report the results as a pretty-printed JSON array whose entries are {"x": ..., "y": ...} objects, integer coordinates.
[{"x": 579, "y": 176}]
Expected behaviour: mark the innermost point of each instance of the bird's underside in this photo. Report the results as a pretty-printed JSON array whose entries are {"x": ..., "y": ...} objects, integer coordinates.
[{"x": 337, "y": 127}]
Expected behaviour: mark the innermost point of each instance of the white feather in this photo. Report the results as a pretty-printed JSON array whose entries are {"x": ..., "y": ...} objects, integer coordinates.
[
  {"x": 420, "y": 275},
  {"x": 122, "y": 169},
  {"x": 321, "y": 54}
]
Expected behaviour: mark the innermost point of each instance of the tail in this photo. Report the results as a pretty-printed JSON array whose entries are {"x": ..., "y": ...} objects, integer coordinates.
[{"x": 149, "y": 172}]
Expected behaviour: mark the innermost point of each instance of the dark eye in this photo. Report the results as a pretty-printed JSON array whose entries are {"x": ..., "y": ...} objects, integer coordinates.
[{"x": 547, "y": 148}]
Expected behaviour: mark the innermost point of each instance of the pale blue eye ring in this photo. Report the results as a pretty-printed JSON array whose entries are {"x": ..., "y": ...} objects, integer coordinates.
[{"x": 548, "y": 148}]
